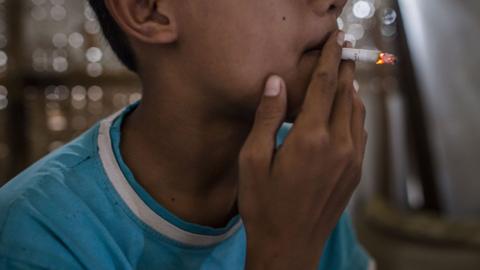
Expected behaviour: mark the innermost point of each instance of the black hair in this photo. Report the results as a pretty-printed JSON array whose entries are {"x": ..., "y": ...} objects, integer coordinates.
[{"x": 114, "y": 34}]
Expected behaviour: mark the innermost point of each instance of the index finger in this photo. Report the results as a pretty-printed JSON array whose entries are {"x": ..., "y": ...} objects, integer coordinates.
[{"x": 322, "y": 89}]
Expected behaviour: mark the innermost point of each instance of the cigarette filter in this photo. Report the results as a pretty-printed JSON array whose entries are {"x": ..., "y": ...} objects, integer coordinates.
[{"x": 371, "y": 56}]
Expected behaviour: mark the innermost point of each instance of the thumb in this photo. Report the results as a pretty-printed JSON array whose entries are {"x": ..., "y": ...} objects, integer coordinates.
[
  {"x": 260, "y": 144},
  {"x": 272, "y": 108}
]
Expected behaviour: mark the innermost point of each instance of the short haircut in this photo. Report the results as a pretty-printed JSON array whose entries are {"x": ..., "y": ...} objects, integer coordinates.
[{"x": 114, "y": 34}]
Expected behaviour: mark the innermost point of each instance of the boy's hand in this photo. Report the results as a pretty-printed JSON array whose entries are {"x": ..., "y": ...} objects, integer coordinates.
[{"x": 292, "y": 199}]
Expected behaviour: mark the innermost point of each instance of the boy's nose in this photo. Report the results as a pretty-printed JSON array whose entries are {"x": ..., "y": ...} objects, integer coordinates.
[{"x": 322, "y": 7}]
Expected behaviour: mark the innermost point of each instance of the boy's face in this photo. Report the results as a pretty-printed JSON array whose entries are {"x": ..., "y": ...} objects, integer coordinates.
[{"x": 231, "y": 46}]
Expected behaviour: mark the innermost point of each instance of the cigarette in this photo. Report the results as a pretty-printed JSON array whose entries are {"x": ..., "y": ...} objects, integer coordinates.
[{"x": 369, "y": 56}]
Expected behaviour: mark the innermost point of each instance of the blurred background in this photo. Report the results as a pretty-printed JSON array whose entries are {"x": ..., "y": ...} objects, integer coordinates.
[{"x": 417, "y": 206}]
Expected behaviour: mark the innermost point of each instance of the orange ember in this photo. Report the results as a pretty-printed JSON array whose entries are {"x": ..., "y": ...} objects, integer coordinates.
[{"x": 386, "y": 58}]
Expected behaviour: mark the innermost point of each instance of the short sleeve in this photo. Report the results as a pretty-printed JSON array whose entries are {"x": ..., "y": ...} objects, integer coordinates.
[{"x": 343, "y": 251}]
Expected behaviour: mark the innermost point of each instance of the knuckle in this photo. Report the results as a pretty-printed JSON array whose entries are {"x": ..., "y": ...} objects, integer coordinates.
[
  {"x": 322, "y": 137},
  {"x": 314, "y": 141},
  {"x": 343, "y": 140},
  {"x": 346, "y": 153}
]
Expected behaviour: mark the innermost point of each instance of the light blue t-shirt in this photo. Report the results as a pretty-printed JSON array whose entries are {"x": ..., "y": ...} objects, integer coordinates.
[{"x": 80, "y": 207}]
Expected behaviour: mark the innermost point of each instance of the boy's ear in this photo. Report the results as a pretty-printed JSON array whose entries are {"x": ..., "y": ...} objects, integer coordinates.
[{"x": 150, "y": 21}]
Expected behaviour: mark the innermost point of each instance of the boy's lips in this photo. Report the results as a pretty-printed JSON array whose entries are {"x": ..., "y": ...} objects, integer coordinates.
[{"x": 314, "y": 52}]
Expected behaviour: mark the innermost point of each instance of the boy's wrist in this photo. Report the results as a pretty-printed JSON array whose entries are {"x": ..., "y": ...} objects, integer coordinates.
[{"x": 280, "y": 255}]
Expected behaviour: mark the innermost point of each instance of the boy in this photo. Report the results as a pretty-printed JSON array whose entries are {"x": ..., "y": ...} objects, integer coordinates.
[{"x": 189, "y": 177}]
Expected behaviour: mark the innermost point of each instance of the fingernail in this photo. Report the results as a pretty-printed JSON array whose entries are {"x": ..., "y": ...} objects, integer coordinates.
[
  {"x": 272, "y": 88},
  {"x": 340, "y": 38},
  {"x": 356, "y": 86}
]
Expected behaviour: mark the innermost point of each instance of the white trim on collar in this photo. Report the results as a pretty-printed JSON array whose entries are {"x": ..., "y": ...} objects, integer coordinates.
[{"x": 137, "y": 205}]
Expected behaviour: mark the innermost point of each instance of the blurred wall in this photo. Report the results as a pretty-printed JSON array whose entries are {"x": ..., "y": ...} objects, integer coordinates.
[{"x": 443, "y": 37}]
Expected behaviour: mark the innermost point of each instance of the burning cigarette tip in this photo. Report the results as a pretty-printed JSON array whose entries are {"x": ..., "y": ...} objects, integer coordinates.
[{"x": 387, "y": 59}]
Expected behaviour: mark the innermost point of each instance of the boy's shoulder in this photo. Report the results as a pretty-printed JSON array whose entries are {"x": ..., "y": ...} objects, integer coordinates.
[
  {"x": 52, "y": 168},
  {"x": 39, "y": 205}
]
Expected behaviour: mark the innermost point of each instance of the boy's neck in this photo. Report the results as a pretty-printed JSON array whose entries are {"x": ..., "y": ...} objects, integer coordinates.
[{"x": 184, "y": 155}]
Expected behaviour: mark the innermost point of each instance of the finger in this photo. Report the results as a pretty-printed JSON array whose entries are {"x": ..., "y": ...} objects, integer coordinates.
[
  {"x": 358, "y": 126},
  {"x": 345, "y": 187},
  {"x": 257, "y": 152},
  {"x": 342, "y": 108},
  {"x": 323, "y": 85},
  {"x": 339, "y": 198},
  {"x": 350, "y": 179}
]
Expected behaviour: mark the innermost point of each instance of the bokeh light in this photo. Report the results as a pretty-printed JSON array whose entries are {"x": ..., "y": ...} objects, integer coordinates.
[{"x": 363, "y": 9}]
